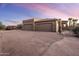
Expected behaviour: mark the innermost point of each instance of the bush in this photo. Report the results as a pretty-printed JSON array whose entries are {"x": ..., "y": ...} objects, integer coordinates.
[
  {"x": 2, "y": 26},
  {"x": 19, "y": 26},
  {"x": 76, "y": 31}
]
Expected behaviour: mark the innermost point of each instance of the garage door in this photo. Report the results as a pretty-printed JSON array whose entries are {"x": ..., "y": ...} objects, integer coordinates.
[
  {"x": 43, "y": 27},
  {"x": 28, "y": 27}
]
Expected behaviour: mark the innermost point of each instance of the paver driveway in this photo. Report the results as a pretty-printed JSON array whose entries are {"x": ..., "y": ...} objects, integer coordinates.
[{"x": 30, "y": 43}]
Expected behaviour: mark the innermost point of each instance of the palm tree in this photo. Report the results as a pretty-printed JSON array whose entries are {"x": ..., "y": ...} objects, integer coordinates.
[
  {"x": 70, "y": 21},
  {"x": 60, "y": 26},
  {"x": 74, "y": 22}
]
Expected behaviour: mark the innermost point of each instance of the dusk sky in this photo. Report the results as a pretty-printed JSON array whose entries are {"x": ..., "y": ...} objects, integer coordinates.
[{"x": 11, "y": 14}]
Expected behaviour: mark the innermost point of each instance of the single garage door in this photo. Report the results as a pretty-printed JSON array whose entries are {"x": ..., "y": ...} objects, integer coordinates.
[
  {"x": 44, "y": 27},
  {"x": 28, "y": 27}
]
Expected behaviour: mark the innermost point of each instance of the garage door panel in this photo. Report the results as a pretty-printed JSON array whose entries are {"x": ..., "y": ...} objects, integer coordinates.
[
  {"x": 43, "y": 27},
  {"x": 28, "y": 27}
]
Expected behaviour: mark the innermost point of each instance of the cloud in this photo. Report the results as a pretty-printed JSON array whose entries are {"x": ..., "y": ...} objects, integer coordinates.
[
  {"x": 12, "y": 22},
  {"x": 3, "y": 5},
  {"x": 63, "y": 11},
  {"x": 45, "y": 10},
  {"x": 72, "y": 9}
]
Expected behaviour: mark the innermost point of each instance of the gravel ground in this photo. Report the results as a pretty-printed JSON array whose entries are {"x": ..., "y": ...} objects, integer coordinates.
[
  {"x": 30, "y": 43},
  {"x": 26, "y": 43}
]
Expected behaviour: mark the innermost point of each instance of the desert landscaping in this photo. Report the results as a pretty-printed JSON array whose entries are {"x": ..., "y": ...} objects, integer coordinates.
[{"x": 36, "y": 43}]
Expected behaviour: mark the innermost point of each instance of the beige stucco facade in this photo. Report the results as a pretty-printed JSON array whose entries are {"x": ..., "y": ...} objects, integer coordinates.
[
  {"x": 28, "y": 24},
  {"x": 48, "y": 24}
]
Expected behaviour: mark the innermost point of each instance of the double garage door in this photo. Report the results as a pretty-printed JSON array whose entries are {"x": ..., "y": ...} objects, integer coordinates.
[
  {"x": 47, "y": 27},
  {"x": 43, "y": 27}
]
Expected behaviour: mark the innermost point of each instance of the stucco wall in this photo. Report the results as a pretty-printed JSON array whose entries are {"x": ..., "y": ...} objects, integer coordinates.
[
  {"x": 43, "y": 27},
  {"x": 28, "y": 24},
  {"x": 46, "y": 25},
  {"x": 27, "y": 27}
]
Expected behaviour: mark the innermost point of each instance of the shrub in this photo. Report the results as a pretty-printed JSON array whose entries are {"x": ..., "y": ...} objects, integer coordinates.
[
  {"x": 2, "y": 26},
  {"x": 19, "y": 26},
  {"x": 76, "y": 31}
]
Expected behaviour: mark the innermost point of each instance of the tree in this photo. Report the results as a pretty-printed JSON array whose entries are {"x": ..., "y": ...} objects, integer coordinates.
[
  {"x": 2, "y": 26},
  {"x": 19, "y": 26},
  {"x": 70, "y": 21},
  {"x": 76, "y": 31},
  {"x": 74, "y": 22},
  {"x": 60, "y": 26}
]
